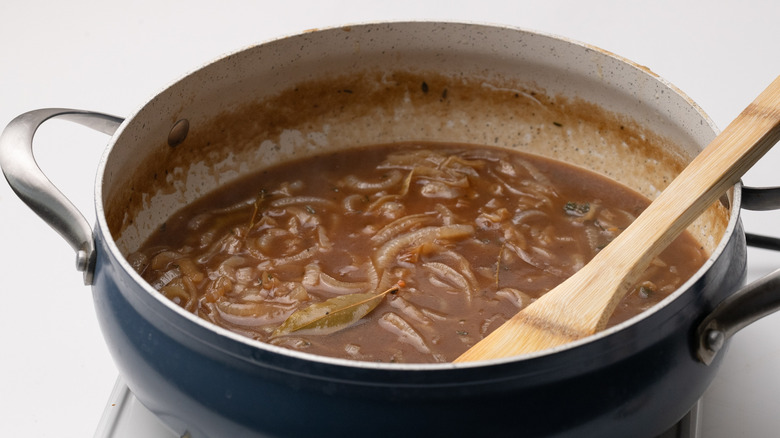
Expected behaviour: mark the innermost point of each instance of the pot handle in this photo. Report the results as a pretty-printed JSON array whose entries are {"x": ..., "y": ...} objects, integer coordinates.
[
  {"x": 37, "y": 191},
  {"x": 754, "y": 301},
  {"x": 761, "y": 198}
]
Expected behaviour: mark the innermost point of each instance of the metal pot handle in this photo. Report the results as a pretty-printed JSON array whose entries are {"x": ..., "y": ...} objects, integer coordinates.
[
  {"x": 37, "y": 191},
  {"x": 761, "y": 198},
  {"x": 754, "y": 301}
]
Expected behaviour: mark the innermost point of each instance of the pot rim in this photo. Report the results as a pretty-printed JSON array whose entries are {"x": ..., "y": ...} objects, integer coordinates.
[{"x": 735, "y": 203}]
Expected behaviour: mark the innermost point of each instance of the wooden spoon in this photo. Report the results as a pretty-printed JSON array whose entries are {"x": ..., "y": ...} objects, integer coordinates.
[{"x": 581, "y": 305}]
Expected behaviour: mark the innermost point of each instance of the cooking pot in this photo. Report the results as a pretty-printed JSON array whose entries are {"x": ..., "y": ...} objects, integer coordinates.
[{"x": 381, "y": 83}]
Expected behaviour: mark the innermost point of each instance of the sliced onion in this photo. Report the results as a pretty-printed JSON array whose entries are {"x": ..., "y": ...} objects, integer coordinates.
[
  {"x": 246, "y": 275},
  {"x": 447, "y": 216},
  {"x": 439, "y": 189},
  {"x": 399, "y": 226},
  {"x": 163, "y": 259},
  {"x": 311, "y": 275},
  {"x": 229, "y": 244},
  {"x": 293, "y": 342},
  {"x": 390, "y": 250},
  {"x": 166, "y": 278},
  {"x": 463, "y": 165},
  {"x": 484, "y": 328},
  {"x": 139, "y": 261},
  {"x": 594, "y": 239},
  {"x": 267, "y": 239},
  {"x": 491, "y": 220},
  {"x": 355, "y": 203},
  {"x": 406, "y": 333},
  {"x": 540, "y": 259},
  {"x": 461, "y": 265},
  {"x": 253, "y": 294},
  {"x": 450, "y": 177},
  {"x": 525, "y": 216},
  {"x": 181, "y": 292},
  {"x": 228, "y": 268},
  {"x": 515, "y": 296},
  {"x": 254, "y": 313},
  {"x": 287, "y": 188},
  {"x": 301, "y": 256},
  {"x": 544, "y": 184},
  {"x": 324, "y": 241},
  {"x": 433, "y": 315},
  {"x": 388, "y": 207},
  {"x": 190, "y": 269},
  {"x": 412, "y": 159},
  {"x": 303, "y": 200},
  {"x": 452, "y": 278},
  {"x": 410, "y": 310},
  {"x": 392, "y": 178},
  {"x": 314, "y": 277},
  {"x": 343, "y": 287},
  {"x": 407, "y": 183},
  {"x": 577, "y": 262},
  {"x": 302, "y": 216},
  {"x": 506, "y": 168},
  {"x": 377, "y": 204},
  {"x": 217, "y": 288}
]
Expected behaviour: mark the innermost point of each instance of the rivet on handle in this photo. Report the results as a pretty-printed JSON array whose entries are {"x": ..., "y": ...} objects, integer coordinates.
[{"x": 178, "y": 132}]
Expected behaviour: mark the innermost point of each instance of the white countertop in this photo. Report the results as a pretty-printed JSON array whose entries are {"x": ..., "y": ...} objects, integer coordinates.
[{"x": 55, "y": 373}]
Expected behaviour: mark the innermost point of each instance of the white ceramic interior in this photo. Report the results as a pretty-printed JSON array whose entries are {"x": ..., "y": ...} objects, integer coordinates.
[{"x": 390, "y": 82}]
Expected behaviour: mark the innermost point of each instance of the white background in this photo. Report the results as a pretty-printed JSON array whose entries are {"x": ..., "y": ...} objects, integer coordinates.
[{"x": 55, "y": 373}]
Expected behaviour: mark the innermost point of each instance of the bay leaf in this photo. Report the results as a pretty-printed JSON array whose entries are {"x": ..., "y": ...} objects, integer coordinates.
[{"x": 332, "y": 315}]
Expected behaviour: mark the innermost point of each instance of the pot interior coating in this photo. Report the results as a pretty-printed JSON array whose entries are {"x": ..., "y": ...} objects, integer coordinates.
[{"x": 385, "y": 83}]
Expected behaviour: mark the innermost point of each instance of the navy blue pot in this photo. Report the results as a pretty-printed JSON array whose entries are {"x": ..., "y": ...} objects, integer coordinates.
[{"x": 636, "y": 382}]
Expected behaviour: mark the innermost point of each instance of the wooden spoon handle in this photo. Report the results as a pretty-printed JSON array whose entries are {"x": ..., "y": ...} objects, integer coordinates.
[{"x": 581, "y": 305}]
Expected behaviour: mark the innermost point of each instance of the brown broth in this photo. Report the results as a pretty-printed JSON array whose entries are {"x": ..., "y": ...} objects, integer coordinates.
[{"x": 472, "y": 233}]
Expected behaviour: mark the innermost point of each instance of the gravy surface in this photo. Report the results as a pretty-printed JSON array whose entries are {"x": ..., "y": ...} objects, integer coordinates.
[{"x": 463, "y": 236}]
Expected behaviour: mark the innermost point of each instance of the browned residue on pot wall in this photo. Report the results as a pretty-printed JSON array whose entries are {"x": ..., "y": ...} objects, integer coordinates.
[{"x": 382, "y": 107}]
